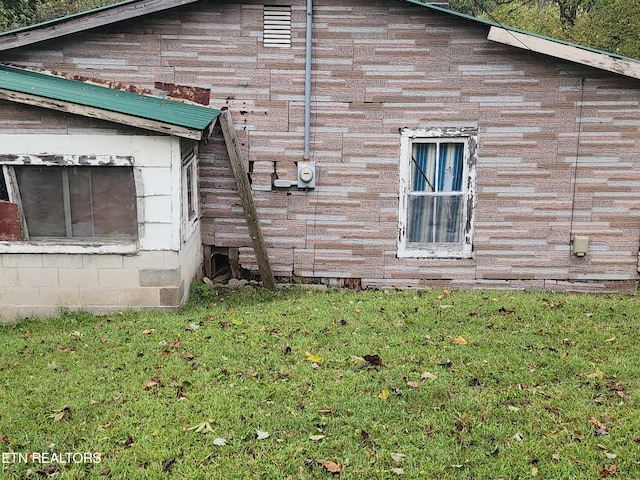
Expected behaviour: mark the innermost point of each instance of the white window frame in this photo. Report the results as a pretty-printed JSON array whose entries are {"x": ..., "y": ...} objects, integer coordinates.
[
  {"x": 190, "y": 193},
  {"x": 408, "y": 137}
]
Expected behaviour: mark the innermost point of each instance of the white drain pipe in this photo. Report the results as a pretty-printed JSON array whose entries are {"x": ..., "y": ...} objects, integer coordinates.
[{"x": 307, "y": 82}]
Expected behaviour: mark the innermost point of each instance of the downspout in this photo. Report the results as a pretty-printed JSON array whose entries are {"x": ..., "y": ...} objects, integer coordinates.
[{"x": 307, "y": 83}]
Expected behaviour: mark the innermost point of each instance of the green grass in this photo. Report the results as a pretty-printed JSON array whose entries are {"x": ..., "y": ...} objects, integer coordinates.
[{"x": 547, "y": 386}]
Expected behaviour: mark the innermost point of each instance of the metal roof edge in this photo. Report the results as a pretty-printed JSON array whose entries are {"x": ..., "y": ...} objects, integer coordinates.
[{"x": 97, "y": 101}]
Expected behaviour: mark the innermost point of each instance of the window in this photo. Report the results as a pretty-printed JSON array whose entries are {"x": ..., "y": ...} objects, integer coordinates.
[
  {"x": 437, "y": 174},
  {"x": 190, "y": 204},
  {"x": 73, "y": 202}
]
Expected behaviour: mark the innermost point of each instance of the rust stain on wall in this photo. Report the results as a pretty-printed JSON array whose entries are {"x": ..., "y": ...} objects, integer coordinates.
[{"x": 193, "y": 94}]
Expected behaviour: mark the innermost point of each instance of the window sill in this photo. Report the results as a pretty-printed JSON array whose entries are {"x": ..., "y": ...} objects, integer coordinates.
[
  {"x": 61, "y": 247},
  {"x": 454, "y": 252}
]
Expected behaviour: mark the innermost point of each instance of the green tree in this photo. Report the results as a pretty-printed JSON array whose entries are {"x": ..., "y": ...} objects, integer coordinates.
[
  {"x": 612, "y": 26},
  {"x": 15, "y": 13}
]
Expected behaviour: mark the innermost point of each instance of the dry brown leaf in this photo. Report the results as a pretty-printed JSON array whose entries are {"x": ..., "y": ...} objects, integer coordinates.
[
  {"x": 331, "y": 466},
  {"x": 150, "y": 383},
  {"x": 459, "y": 340},
  {"x": 609, "y": 472},
  {"x": 373, "y": 359},
  {"x": 148, "y": 331}
]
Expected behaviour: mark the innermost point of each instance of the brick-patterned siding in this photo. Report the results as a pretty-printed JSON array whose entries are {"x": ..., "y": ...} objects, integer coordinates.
[{"x": 558, "y": 142}]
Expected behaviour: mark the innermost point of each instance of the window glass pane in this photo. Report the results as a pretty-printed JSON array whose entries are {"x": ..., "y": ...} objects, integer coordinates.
[
  {"x": 78, "y": 202},
  {"x": 435, "y": 219},
  {"x": 449, "y": 168},
  {"x": 191, "y": 208},
  {"x": 423, "y": 167},
  {"x": 42, "y": 200},
  {"x": 113, "y": 196},
  {"x": 437, "y": 167}
]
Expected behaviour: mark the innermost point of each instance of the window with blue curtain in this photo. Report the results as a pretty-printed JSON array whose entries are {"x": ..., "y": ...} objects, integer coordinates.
[{"x": 436, "y": 197}]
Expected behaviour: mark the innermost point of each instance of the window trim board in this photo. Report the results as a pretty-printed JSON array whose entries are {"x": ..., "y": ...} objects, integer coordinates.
[{"x": 463, "y": 249}]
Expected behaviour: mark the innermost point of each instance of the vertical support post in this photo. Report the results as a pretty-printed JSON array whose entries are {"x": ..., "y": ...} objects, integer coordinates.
[{"x": 250, "y": 212}]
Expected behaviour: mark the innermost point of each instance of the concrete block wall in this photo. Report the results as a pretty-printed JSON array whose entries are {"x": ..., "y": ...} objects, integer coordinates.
[{"x": 41, "y": 277}]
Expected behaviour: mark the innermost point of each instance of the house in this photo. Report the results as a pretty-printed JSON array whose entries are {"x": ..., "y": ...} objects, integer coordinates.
[{"x": 380, "y": 143}]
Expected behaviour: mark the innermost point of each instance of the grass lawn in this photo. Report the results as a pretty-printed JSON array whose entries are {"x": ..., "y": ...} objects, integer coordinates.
[{"x": 306, "y": 384}]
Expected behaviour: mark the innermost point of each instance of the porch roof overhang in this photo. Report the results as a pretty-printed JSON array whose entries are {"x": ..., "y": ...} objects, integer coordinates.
[{"x": 163, "y": 115}]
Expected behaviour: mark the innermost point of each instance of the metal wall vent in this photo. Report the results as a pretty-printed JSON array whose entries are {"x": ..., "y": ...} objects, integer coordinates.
[{"x": 277, "y": 26}]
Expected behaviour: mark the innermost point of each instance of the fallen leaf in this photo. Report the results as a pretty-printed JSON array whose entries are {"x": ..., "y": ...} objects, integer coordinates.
[
  {"x": 429, "y": 376},
  {"x": 176, "y": 344},
  {"x": 518, "y": 437},
  {"x": 398, "y": 457},
  {"x": 148, "y": 331},
  {"x": 225, "y": 324},
  {"x": 411, "y": 384},
  {"x": 597, "y": 374},
  {"x": 373, "y": 359},
  {"x": 314, "y": 358},
  {"x": 459, "y": 341},
  {"x": 331, "y": 467},
  {"x": 61, "y": 414},
  {"x": 49, "y": 471},
  {"x": 204, "y": 427},
  {"x": 609, "y": 472},
  {"x": 398, "y": 471},
  {"x": 166, "y": 464},
  {"x": 384, "y": 394},
  {"x": 105, "y": 472},
  {"x": 601, "y": 428},
  {"x": 150, "y": 383},
  {"x": 192, "y": 327},
  {"x": 260, "y": 435},
  {"x": 316, "y": 438},
  {"x": 220, "y": 442}
]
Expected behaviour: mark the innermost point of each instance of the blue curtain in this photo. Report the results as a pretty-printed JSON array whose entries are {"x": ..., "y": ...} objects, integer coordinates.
[{"x": 435, "y": 201}]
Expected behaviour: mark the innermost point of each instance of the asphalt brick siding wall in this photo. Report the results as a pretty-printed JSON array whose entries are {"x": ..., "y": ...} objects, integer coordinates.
[{"x": 378, "y": 67}]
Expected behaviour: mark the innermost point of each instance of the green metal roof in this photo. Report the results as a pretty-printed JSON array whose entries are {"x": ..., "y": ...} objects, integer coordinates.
[{"x": 171, "y": 112}]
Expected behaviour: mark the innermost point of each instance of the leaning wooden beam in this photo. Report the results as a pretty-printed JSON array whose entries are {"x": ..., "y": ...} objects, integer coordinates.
[{"x": 250, "y": 212}]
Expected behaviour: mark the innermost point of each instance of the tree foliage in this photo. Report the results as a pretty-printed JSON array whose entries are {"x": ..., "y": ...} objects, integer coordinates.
[
  {"x": 20, "y": 13},
  {"x": 608, "y": 25}
]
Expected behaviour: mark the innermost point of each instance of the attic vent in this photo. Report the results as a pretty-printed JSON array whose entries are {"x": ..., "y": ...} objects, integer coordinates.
[{"x": 277, "y": 26}]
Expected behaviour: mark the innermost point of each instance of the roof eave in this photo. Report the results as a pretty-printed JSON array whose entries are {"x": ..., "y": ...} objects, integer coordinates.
[
  {"x": 85, "y": 21},
  {"x": 564, "y": 51},
  {"x": 110, "y": 116}
]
